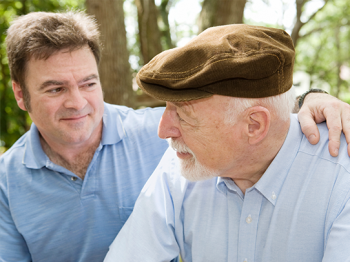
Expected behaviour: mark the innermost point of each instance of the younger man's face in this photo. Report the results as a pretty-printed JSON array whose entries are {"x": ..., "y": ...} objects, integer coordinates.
[{"x": 65, "y": 96}]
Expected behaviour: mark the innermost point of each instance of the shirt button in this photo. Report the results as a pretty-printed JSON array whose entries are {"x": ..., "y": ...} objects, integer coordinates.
[
  {"x": 73, "y": 178},
  {"x": 273, "y": 195},
  {"x": 249, "y": 219},
  {"x": 245, "y": 260}
]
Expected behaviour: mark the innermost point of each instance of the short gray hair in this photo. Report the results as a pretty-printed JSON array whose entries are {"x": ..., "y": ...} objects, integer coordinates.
[{"x": 280, "y": 105}]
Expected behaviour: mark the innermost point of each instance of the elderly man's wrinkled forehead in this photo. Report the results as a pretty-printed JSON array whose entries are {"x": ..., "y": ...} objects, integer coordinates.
[{"x": 210, "y": 105}]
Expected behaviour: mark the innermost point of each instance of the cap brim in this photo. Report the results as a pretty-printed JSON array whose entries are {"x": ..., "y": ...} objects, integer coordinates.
[{"x": 173, "y": 95}]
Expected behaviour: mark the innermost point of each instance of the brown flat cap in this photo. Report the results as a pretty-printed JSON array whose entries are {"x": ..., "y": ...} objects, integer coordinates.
[{"x": 233, "y": 60}]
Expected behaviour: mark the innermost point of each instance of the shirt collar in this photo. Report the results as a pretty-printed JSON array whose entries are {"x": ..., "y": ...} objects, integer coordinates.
[
  {"x": 34, "y": 156},
  {"x": 113, "y": 131},
  {"x": 270, "y": 184},
  {"x": 224, "y": 183}
]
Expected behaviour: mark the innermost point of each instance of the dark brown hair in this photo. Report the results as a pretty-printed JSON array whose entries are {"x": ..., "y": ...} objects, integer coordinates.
[{"x": 39, "y": 35}]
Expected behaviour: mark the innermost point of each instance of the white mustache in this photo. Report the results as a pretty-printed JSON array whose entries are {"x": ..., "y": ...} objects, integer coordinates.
[
  {"x": 179, "y": 147},
  {"x": 191, "y": 169}
]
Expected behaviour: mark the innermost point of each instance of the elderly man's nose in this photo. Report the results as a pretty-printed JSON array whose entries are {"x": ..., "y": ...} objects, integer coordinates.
[{"x": 167, "y": 126}]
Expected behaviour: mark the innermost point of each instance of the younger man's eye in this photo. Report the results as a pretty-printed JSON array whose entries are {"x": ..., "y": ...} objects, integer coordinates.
[{"x": 55, "y": 90}]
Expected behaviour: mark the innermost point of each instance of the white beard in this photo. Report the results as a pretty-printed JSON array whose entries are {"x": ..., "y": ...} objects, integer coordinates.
[{"x": 191, "y": 169}]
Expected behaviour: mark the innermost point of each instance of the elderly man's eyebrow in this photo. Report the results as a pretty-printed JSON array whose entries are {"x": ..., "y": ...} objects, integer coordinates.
[
  {"x": 184, "y": 107},
  {"x": 178, "y": 104}
]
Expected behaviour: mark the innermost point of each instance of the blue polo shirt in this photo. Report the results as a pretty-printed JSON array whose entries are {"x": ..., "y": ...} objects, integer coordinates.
[
  {"x": 47, "y": 213},
  {"x": 299, "y": 211}
]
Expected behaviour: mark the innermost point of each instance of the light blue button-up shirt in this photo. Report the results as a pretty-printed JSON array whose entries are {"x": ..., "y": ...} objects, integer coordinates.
[
  {"x": 298, "y": 211},
  {"x": 49, "y": 214}
]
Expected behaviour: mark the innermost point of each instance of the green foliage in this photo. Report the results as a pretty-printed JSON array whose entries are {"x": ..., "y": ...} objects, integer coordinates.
[
  {"x": 323, "y": 49},
  {"x": 13, "y": 121}
]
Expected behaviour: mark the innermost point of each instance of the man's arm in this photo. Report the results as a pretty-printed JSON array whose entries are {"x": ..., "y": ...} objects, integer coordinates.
[
  {"x": 318, "y": 107},
  {"x": 12, "y": 245},
  {"x": 338, "y": 241}
]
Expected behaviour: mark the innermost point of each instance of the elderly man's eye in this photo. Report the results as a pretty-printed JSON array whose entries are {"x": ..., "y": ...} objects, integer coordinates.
[{"x": 179, "y": 117}]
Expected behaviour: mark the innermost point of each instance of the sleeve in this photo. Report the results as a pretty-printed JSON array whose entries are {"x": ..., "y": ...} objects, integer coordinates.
[
  {"x": 12, "y": 244},
  {"x": 338, "y": 243},
  {"x": 149, "y": 233}
]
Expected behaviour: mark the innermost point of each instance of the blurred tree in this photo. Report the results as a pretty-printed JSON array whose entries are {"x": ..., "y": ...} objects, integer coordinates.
[
  {"x": 114, "y": 69},
  {"x": 223, "y": 12},
  {"x": 154, "y": 37},
  {"x": 164, "y": 9},
  {"x": 149, "y": 31},
  {"x": 323, "y": 49},
  {"x": 299, "y": 5},
  {"x": 153, "y": 28}
]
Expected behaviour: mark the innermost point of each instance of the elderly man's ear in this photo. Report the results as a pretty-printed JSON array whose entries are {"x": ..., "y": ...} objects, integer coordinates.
[{"x": 258, "y": 124}]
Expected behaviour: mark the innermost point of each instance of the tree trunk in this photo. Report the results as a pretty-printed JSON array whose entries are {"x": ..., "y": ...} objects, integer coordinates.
[
  {"x": 149, "y": 33},
  {"x": 223, "y": 12},
  {"x": 299, "y": 4},
  {"x": 338, "y": 61},
  {"x": 115, "y": 71},
  {"x": 165, "y": 29}
]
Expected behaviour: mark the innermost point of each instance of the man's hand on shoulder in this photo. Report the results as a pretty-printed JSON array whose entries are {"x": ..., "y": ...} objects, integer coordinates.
[{"x": 319, "y": 107}]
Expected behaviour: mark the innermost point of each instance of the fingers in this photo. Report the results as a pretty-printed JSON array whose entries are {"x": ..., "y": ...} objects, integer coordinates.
[
  {"x": 308, "y": 126},
  {"x": 334, "y": 124},
  {"x": 319, "y": 107},
  {"x": 346, "y": 124},
  {"x": 333, "y": 147},
  {"x": 333, "y": 144},
  {"x": 338, "y": 120}
]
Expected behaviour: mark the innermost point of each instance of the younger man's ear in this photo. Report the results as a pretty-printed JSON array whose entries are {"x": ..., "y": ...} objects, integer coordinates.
[
  {"x": 18, "y": 95},
  {"x": 258, "y": 119}
]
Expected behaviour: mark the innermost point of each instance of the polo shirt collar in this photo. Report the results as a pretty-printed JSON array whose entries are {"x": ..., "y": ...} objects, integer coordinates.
[
  {"x": 34, "y": 156},
  {"x": 113, "y": 131}
]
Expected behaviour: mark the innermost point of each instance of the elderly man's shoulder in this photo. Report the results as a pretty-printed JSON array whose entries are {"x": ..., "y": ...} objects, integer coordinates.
[
  {"x": 328, "y": 175},
  {"x": 321, "y": 148}
]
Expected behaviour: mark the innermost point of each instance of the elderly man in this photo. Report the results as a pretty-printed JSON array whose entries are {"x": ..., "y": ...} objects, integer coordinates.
[{"x": 253, "y": 188}]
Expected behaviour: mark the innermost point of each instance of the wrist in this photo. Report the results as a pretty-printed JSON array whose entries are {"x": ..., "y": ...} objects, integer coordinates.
[{"x": 302, "y": 97}]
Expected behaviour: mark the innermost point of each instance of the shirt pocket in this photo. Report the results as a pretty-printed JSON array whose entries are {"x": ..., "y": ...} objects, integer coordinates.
[{"x": 124, "y": 213}]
